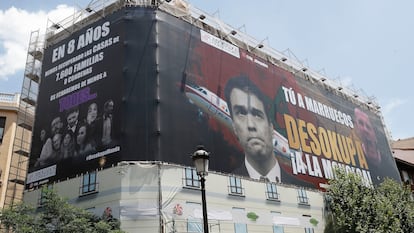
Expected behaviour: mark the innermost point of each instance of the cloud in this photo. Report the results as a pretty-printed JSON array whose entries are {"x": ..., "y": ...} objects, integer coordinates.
[
  {"x": 392, "y": 105},
  {"x": 395, "y": 117},
  {"x": 15, "y": 28}
]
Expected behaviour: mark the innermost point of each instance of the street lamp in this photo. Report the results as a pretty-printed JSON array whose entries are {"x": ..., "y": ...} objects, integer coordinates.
[{"x": 200, "y": 158}]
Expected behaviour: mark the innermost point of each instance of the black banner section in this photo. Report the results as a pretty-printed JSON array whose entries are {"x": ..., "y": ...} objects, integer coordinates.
[{"x": 78, "y": 117}]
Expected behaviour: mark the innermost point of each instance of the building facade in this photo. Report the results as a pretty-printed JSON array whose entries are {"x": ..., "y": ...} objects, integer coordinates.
[
  {"x": 130, "y": 89},
  {"x": 403, "y": 152},
  {"x": 9, "y": 105},
  {"x": 158, "y": 197},
  {"x": 13, "y": 139}
]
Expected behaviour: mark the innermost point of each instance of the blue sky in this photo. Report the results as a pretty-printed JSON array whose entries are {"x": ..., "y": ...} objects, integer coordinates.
[{"x": 366, "y": 45}]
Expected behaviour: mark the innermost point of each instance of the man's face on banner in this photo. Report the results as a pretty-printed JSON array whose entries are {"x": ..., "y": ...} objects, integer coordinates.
[
  {"x": 72, "y": 118},
  {"x": 56, "y": 140},
  {"x": 251, "y": 125},
  {"x": 56, "y": 125},
  {"x": 367, "y": 135}
]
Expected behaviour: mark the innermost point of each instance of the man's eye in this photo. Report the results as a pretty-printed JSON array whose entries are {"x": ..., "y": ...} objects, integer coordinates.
[
  {"x": 240, "y": 111},
  {"x": 258, "y": 114}
]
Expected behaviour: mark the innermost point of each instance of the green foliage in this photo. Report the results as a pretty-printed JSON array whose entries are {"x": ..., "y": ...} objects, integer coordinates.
[
  {"x": 252, "y": 216},
  {"x": 19, "y": 218},
  {"x": 314, "y": 222},
  {"x": 329, "y": 225},
  {"x": 55, "y": 215},
  {"x": 358, "y": 208}
]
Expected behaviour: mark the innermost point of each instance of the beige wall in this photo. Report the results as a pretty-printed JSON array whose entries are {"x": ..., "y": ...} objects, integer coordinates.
[
  {"x": 15, "y": 138},
  {"x": 132, "y": 191},
  {"x": 253, "y": 200},
  {"x": 6, "y": 148}
]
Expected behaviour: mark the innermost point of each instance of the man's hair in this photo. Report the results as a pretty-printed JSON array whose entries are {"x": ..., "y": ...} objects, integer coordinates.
[
  {"x": 71, "y": 110},
  {"x": 245, "y": 84},
  {"x": 59, "y": 119},
  {"x": 106, "y": 104},
  {"x": 55, "y": 119}
]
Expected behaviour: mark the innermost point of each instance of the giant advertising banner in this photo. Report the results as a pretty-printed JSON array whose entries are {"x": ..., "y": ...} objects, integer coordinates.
[
  {"x": 93, "y": 91},
  {"x": 142, "y": 85},
  {"x": 257, "y": 119},
  {"x": 78, "y": 112}
]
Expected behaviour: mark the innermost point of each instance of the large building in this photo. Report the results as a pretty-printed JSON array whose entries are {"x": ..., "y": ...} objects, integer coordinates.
[
  {"x": 403, "y": 152},
  {"x": 16, "y": 125},
  {"x": 14, "y": 146},
  {"x": 9, "y": 105},
  {"x": 129, "y": 90}
]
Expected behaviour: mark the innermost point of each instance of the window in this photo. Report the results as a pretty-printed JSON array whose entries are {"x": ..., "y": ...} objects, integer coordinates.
[
  {"x": 406, "y": 177},
  {"x": 2, "y": 125},
  {"x": 277, "y": 228},
  {"x": 309, "y": 230},
  {"x": 194, "y": 225},
  {"x": 239, "y": 216},
  {"x": 302, "y": 196},
  {"x": 89, "y": 184},
  {"x": 271, "y": 191},
  {"x": 191, "y": 178},
  {"x": 43, "y": 192},
  {"x": 235, "y": 186},
  {"x": 240, "y": 228}
]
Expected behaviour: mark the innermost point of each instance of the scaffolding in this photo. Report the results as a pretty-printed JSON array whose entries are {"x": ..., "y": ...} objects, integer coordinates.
[{"x": 25, "y": 118}]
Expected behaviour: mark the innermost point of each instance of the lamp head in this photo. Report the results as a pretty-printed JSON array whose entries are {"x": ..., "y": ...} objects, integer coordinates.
[{"x": 200, "y": 158}]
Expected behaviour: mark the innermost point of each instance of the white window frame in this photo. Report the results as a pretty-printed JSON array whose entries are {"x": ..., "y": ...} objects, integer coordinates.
[
  {"x": 235, "y": 186},
  {"x": 89, "y": 183},
  {"x": 271, "y": 191},
  {"x": 41, "y": 199},
  {"x": 303, "y": 197},
  {"x": 191, "y": 179},
  {"x": 2, "y": 127},
  {"x": 309, "y": 230}
]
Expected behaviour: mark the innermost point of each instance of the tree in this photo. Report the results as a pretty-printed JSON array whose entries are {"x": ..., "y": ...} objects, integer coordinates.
[
  {"x": 355, "y": 207},
  {"x": 55, "y": 215}
]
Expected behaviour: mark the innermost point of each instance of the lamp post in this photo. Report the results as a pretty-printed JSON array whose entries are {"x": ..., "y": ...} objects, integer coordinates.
[{"x": 200, "y": 158}]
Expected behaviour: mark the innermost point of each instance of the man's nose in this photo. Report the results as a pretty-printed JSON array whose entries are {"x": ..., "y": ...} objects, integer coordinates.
[{"x": 251, "y": 124}]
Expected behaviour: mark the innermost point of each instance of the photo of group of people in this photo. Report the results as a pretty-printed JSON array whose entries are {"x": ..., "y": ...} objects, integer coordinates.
[
  {"x": 77, "y": 123},
  {"x": 77, "y": 134}
]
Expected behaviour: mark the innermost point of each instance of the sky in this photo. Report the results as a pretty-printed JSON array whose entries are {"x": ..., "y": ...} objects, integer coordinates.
[{"x": 366, "y": 46}]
